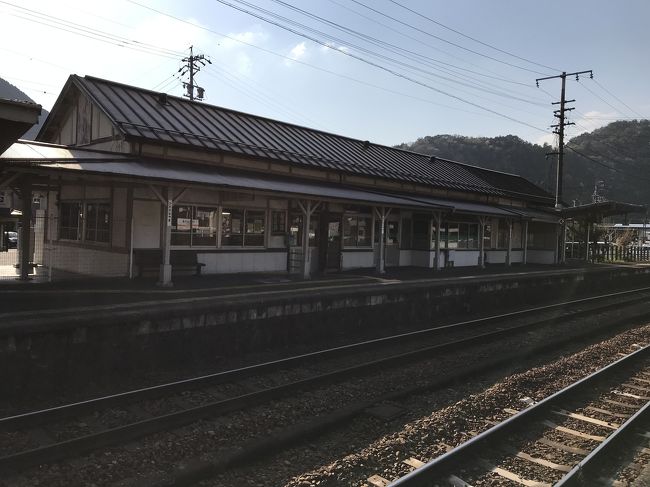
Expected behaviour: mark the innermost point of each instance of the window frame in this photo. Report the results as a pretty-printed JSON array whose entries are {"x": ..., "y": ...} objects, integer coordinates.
[{"x": 82, "y": 221}]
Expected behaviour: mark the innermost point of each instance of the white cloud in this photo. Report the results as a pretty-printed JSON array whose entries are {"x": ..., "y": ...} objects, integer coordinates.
[{"x": 298, "y": 51}]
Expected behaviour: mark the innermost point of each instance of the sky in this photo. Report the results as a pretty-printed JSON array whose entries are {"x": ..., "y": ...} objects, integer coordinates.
[{"x": 379, "y": 70}]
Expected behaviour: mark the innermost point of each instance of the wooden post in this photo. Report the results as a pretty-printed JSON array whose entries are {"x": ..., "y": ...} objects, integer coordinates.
[
  {"x": 437, "y": 217},
  {"x": 382, "y": 213},
  {"x": 525, "y": 242},
  {"x": 587, "y": 242},
  {"x": 25, "y": 222},
  {"x": 509, "y": 251},
  {"x": 307, "y": 209},
  {"x": 165, "y": 277}
]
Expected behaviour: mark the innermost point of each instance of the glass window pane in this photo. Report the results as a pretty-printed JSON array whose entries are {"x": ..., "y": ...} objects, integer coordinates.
[
  {"x": 472, "y": 236},
  {"x": 232, "y": 227},
  {"x": 278, "y": 222},
  {"x": 392, "y": 233},
  {"x": 204, "y": 226},
  {"x": 70, "y": 219},
  {"x": 487, "y": 237},
  {"x": 349, "y": 231},
  {"x": 452, "y": 232},
  {"x": 255, "y": 221},
  {"x": 364, "y": 231},
  {"x": 181, "y": 225}
]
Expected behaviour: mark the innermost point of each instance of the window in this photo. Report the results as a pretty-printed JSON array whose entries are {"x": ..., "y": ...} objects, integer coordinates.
[
  {"x": 462, "y": 235},
  {"x": 278, "y": 222},
  {"x": 443, "y": 235},
  {"x": 70, "y": 221},
  {"x": 357, "y": 231},
  {"x": 502, "y": 235},
  {"x": 295, "y": 231},
  {"x": 391, "y": 232},
  {"x": 98, "y": 224},
  {"x": 87, "y": 222},
  {"x": 204, "y": 226},
  {"x": 452, "y": 235},
  {"x": 242, "y": 228},
  {"x": 194, "y": 226},
  {"x": 487, "y": 236}
]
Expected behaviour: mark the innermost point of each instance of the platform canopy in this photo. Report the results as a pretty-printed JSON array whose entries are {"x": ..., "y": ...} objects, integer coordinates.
[
  {"x": 50, "y": 159},
  {"x": 595, "y": 212}
]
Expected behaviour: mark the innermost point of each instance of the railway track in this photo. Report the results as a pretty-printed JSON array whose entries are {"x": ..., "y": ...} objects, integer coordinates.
[
  {"x": 47, "y": 447},
  {"x": 567, "y": 439}
]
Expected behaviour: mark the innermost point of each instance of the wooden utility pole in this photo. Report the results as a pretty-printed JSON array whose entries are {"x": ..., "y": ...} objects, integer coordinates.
[{"x": 559, "y": 127}]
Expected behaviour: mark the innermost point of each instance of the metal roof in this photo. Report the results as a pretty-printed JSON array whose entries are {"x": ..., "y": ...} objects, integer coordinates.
[
  {"x": 101, "y": 163},
  {"x": 144, "y": 114}
]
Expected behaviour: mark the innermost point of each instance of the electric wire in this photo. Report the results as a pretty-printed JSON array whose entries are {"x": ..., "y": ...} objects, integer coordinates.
[
  {"x": 377, "y": 65},
  {"x": 316, "y": 67},
  {"x": 472, "y": 38},
  {"x": 88, "y": 32},
  {"x": 618, "y": 99},
  {"x": 391, "y": 48},
  {"x": 445, "y": 40}
]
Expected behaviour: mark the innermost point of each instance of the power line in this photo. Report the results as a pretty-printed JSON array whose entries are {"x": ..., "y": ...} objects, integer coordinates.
[
  {"x": 314, "y": 66},
  {"x": 618, "y": 99},
  {"x": 88, "y": 32},
  {"x": 431, "y": 46},
  {"x": 607, "y": 166},
  {"x": 377, "y": 65},
  {"x": 470, "y": 37},
  {"x": 599, "y": 97},
  {"x": 421, "y": 59},
  {"x": 444, "y": 40}
]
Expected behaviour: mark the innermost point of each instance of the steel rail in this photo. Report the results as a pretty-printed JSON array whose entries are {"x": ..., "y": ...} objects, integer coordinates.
[
  {"x": 444, "y": 465},
  {"x": 592, "y": 463},
  {"x": 125, "y": 433},
  {"x": 37, "y": 417}
]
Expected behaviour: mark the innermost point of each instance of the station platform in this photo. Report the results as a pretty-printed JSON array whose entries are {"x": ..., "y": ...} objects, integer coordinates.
[
  {"x": 112, "y": 326},
  {"x": 21, "y": 299}
]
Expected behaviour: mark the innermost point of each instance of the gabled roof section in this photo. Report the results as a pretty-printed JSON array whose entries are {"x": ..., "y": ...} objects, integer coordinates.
[{"x": 158, "y": 118}]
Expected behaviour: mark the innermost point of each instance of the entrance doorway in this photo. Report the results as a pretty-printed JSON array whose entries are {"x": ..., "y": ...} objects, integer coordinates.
[{"x": 330, "y": 243}]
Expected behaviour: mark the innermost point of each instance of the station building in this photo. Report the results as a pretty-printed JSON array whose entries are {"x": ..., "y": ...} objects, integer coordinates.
[{"x": 130, "y": 182}]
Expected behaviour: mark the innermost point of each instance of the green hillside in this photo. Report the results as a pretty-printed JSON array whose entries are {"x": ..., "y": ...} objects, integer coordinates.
[{"x": 619, "y": 155}]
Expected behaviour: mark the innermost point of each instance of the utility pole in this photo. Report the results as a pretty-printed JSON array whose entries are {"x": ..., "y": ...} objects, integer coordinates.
[
  {"x": 193, "y": 66},
  {"x": 559, "y": 127}
]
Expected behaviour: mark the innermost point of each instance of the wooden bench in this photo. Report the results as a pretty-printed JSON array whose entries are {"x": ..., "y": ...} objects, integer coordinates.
[{"x": 180, "y": 260}]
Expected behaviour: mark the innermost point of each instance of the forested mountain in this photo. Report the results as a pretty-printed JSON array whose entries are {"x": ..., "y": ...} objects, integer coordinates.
[
  {"x": 619, "y": 156},
  {"x": 10, "y": 92}
]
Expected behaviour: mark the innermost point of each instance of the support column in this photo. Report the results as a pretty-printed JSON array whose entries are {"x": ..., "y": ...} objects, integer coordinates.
[
  {"x": 482, "y": 221},
  {"x": 509, "y": 251},
  {"x": 587, "y": 242},
  {"x": 308, "y": 208},
  {"x": 563, "y": 242},
  {"x": 382, "y": 213},
  {"x": 525, "y": 242},
  {"x": 437, "y": 217},
  {"x": 165, "y": 277},
  {"x": 25, "y": 234}
]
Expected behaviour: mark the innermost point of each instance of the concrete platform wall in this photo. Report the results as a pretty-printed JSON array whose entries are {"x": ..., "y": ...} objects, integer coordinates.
[{"x": 113, "y": 345}]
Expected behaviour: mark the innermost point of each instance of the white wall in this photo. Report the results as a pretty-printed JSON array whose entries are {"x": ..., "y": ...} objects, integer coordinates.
[
  {"x": 516, "y": 256},
  {"x": 231, "y": 262},
  {"x": 540, "y": 257},
  {"x": 146, "y": 224},
  {"x": 495, "y": 256},
  {"x": 465, "y": 258},
  {"x": 90, "y": 262},
  {"x": 356, "y": 259}
]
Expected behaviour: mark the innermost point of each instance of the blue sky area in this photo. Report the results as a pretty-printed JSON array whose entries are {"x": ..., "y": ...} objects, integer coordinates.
[{"x": 427, "y": 67}]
